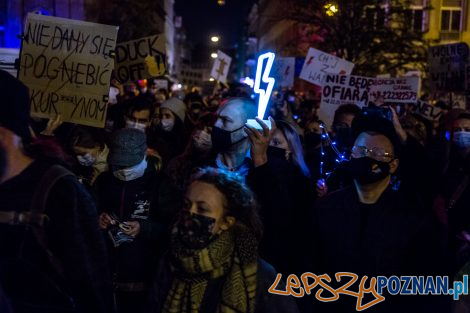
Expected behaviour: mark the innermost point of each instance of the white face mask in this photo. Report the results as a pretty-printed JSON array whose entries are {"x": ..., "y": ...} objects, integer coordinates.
[
  {"x": 135, "y": 125},
  {"x": 86, "y": 160},
  {"x": 462, "y": 139},
  {"x": 202, "y": 140},
  {"x": 131, "y": 173},
  {"x": 167, "y": 124},
  {"x": 113, "y": 93}
]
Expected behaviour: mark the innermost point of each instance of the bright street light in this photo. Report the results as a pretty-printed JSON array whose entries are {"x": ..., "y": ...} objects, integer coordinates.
[
  {"x": 211, "y": 79},
  {"x": 331, "y": 9},
  {"x": 214, "y": 55},
  {"x": 215, "y": 39}
]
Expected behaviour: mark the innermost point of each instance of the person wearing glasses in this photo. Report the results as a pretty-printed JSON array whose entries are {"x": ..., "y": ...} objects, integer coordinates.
[{"x": 372, "y": 229}]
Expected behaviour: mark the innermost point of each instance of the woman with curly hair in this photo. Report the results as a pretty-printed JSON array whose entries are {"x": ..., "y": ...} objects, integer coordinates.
[{"x": 213, "y": 263}]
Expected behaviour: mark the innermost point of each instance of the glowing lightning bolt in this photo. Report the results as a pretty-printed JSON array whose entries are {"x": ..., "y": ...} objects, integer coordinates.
[{"x": 263, "y": 74}]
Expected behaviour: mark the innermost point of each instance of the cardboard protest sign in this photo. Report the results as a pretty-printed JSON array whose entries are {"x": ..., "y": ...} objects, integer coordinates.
[
  {"x": 427, "y": 111},
  {"x": 396, "y": 90},
  {"x": 283, "y": 72},
  {"x": 67, "y": 66},
  {"x": 220, "y": 67},
  {"x": 447, "y": 67},
  {"x": 161, "y": 84},
  {"x": 343, "y": 89},
  {"x": 318, "y": 64},
  {"x": 141, "y": 58}
]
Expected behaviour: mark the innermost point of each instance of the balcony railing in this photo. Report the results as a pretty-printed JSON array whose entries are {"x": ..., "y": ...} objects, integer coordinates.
[{"x": 449, "y": 36}]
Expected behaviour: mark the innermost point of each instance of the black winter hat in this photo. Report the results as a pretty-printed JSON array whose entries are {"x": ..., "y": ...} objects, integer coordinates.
[
  {"x": 127, "y": 147},
  {"x": 14, "y": 105}
]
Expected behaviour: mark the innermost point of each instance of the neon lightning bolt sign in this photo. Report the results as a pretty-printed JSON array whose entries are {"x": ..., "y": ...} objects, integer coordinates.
[{"x": 263, "y": 74}]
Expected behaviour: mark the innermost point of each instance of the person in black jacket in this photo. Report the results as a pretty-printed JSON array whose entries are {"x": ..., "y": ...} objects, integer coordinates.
[
  {"x": 137, "y": 205},
  {"x": 53, "y": 258},
  {"x": 280, "y": 180},
  {"x": 213, "y": 264},
  {"x": 370, "y": 229}
]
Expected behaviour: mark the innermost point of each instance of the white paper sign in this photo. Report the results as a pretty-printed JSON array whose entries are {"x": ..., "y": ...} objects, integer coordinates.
[
  {"x": 283, "y": 71},
  {"x": 220, "y": 67},
  {"x": 67, "y": 67},
  {"x": 343, "y": 89},
  {"x": 396, "y": 90},
  {"x": 318, "y": 64},
  {"x": 428, "y": 111}
]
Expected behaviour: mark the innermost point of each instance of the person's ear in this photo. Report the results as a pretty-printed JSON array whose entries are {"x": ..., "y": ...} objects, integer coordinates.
[
  {"x": 229, "y": 222},
  {"x": 394, "y": 165}
]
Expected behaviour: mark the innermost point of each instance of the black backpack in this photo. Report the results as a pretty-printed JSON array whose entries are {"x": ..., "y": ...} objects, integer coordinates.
[{"x": 35, "y": 286}]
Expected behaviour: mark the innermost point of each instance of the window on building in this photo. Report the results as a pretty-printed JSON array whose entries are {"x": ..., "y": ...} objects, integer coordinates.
[
  {"x": 375, "y": 16},
  {"x": 414, "y": 19},
  {"x": 451, "y": 20}
]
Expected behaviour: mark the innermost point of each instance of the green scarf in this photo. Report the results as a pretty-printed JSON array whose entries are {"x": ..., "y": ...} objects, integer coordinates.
[{"x": 232, "y": 254}]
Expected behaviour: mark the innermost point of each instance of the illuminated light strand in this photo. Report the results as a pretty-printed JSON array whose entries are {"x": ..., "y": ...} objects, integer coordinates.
[
  {"x": 262, "y": 74},
  {"x": 326, "y": 139}
]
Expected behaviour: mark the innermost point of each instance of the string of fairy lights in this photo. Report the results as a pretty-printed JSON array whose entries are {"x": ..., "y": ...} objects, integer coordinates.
[{"x": 326, "y": 141}]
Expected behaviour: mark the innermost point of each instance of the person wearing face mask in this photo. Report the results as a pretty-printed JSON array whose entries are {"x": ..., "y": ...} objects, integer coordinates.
[
  {"x": 196, "y": 107},
  {"x": 281, "y": 181},
  {"x": 136, "y": 204},
  {"x": 213, "y": 263},
  {"x": 455, "y": 189},
  {"x": 229, "y": 139},
  {"x": 198, "y": 153},
  {"x": 91, "y": 152},
  {"x": 139, "y": 112},
  {"x": 169, "y": 137},
  {"x": 372, "y": 230}
]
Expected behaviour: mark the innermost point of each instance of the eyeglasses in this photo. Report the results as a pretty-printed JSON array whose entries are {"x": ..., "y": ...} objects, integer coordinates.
[{"x": 375, "y": 153}]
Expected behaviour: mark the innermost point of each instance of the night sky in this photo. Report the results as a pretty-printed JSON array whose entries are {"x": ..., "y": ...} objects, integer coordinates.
[{"x": 203, "y": 18}]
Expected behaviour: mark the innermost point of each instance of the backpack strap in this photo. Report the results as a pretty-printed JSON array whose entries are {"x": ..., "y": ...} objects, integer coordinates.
[
  {"x": 458, "y": 192},
  {"x": 38, "y": 206}
]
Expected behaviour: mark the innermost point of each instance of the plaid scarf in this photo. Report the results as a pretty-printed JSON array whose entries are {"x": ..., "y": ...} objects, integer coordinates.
[{"x": 232, "y": 254}]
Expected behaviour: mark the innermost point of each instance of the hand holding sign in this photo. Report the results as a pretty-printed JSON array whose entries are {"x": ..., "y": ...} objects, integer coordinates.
[{"x": 260, "y": 140}]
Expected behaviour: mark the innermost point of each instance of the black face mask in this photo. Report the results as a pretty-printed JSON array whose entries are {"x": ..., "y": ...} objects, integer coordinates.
[
  {"x": 312, "y": 140},
  {"x": 344, "y": 138},
  {"x": 195, "y": 230},
  {"x": 222, "y": 139},
  {"x": 276, "y": 154},
  {"x": 361, "y": 170}
]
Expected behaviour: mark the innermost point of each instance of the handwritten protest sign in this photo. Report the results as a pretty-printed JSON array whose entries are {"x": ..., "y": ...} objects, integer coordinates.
[
  {"x": 396, "y": 90},
  {"x": 67, "y": 66},
  {"x": 220, "y": 67},
  {"x": 141, "y": 58},
  {"x": 343, "y": 89},
  {"x": 283, "y": 72},
  {"x": 427, "y": 111},
  {"x": 447, "y": 67},
  {"x": 318, "y": 64}
]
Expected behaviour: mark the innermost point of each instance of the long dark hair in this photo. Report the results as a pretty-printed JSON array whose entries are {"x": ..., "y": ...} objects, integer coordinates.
[
  {"x": 295, "y": 145},
  {"x": 240, "y": 201}
]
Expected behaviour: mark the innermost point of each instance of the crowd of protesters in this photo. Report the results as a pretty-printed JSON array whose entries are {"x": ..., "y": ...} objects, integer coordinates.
[{"x": 177, "y": 205}]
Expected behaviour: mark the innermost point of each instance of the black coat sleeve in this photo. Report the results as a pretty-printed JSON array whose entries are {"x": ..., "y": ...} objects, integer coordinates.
[
  {"x": 75, "y": 239},
  {"x": 266, "y": 301}
]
